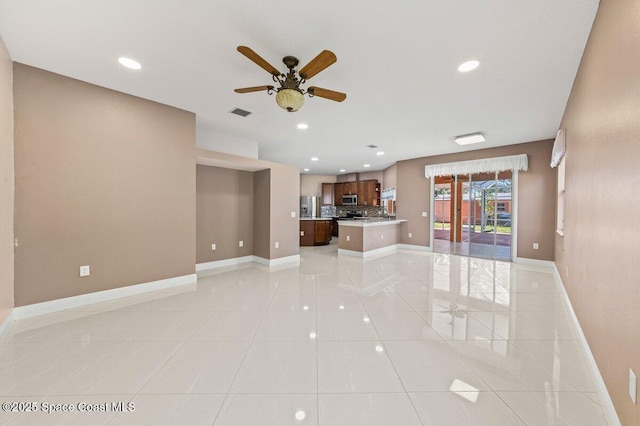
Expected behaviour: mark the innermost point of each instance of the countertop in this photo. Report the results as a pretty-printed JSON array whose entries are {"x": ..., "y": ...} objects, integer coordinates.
[
  {"x": 316, "y": 218},
  {"x": 371, "y": 221}
]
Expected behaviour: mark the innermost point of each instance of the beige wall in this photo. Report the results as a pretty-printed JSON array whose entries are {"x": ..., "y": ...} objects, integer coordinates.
[
  {"x": 6, "y": 184},
  {"x": 536, "y": 196},
  {"x": 102, "y": 179},
  {"x": 276, "y": 194},
  {"x": 224, "y": 213},
  {"x": 261, "y": 213},
  {"x": 285, "y": 229},
  {"x": 312, "y": 184},
  {"x": 601, "y": 245},
  {"x": 352, "y": 177},
  {"x": 390, "y": 177}
]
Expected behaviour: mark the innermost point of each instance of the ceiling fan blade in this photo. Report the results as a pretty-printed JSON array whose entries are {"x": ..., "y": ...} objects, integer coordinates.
[
  {"x": 257, "y": 59},
  {"x": 327, "y": 94},
  {"x": 253, "y": 89},
  {"x": 317, "y": 64}
]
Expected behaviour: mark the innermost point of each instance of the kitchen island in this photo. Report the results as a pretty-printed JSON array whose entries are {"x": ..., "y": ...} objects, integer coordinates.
[
  {"x": 366, "y": 237},
  {"x": 315, "y": 231}
]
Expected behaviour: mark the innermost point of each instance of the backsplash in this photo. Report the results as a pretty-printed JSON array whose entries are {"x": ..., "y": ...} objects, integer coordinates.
[{"x": 341, "y": 211}]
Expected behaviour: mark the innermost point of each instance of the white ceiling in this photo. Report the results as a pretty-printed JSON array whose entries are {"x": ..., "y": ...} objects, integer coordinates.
[{"x": 396, "y": 61}]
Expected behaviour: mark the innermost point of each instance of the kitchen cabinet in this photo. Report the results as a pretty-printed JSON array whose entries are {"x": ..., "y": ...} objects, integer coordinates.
[
  {"x": 368, "y": 192},
  {"x": 316, "y": 232},
  {"x": 327, "y": 194},
  {"x": 350, "y": 188},
  {"x": 338, "y": 192}
]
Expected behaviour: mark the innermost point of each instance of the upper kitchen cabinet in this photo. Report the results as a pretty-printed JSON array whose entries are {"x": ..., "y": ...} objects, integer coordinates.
[
  {"x": 369, "y": 193},
  {"x": 327, "y": 194},
  {"x": 338, "y": 192},
  {"x": 350, "y": 188}
]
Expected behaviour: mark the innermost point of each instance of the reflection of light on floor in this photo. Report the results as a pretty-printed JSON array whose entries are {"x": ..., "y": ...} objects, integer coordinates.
[{"x": 464, "y": 390}]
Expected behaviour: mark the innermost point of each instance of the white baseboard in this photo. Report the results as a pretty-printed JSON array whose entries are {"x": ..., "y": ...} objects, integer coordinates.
[
  {"x": 6, "y": 324},
  {"x": 277, "y": 261},
  {"x": 365, "y": 254},
  {"x": 535, "y": 262},
  {"x": 612, "y": 416},
  {"x": 51, "y": 306},
  {"x": 222, "y": 263},
  {"x": 414, "y": 247}
]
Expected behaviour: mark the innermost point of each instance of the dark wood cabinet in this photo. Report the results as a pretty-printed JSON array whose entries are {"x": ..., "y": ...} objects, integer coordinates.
[
  {"x": 327, "y": 194},
  {"x": 316, "y": 232},
  {"x": 350, "y": 188},
  {"x": 338, "y": 192},
  {"x": 368, "y": 192},
  {"x": 321, "y": 231}
]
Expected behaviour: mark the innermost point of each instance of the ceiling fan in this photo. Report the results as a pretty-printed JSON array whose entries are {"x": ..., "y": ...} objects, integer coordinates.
[{"x": 290, "y": 95}]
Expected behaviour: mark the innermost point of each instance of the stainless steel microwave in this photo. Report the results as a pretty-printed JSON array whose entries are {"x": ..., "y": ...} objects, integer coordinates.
[{"x": 349, "y": 200}]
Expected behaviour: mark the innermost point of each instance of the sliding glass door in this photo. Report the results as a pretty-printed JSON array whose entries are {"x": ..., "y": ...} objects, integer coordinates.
[{"x": 472, "y": 215}]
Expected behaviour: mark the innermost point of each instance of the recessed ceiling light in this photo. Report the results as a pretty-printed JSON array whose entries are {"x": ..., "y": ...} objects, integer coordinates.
[
  {"x": 379, "y": 348},
  {"x": 314, "y": 158},
  {"x": 468, "y": 66},
  {"x": 380, "y": 153},
  {"x": 303, "y": 126},
  {"x": 129, "y": 63},
  {"x": 342, "y": 170},
  {"x": 300, "y": 415},
  {"x": 367, "y": 165},
  {"x": 306, "y": 170},
  {"x": 469, "y": 139}
]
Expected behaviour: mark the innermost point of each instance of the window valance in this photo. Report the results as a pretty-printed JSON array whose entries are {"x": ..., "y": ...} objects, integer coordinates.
[
  {"x": 558, "y": 149},
  {"x": 511, "y": 162}
]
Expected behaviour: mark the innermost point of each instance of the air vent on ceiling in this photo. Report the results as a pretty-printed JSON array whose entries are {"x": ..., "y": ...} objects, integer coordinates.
[
  {"x": 240, "y": 112},
  {"x": 372, "y": 146}
]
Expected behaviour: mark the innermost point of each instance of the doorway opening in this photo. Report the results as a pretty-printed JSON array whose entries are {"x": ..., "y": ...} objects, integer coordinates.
[{"x": 473, "y": 214}]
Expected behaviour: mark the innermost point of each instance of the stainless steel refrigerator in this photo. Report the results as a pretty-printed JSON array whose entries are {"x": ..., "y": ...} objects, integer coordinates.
[{"x": 309, "y": 206}]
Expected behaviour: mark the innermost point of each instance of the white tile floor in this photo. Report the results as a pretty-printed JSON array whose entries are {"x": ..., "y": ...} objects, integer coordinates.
[{"x": 405, "y": 339}]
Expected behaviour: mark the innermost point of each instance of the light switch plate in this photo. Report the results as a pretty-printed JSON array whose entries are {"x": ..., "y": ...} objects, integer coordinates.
[
  {"x": 277, "y": 245},
  {"x": 85, "y": 271},
  {"x": 536, "y": 246},
  {"x": 633, "y": 386},
  {"x": 348, "y": 238},
  {"x": 213, "y": 247},
  {"x": 241, "y": 243},
  {"x": 410, "y": 235},
  {"x": 302, "y": 233},
  {"x": 293, "y": 214},
  {"x": 424, "y": 214}
]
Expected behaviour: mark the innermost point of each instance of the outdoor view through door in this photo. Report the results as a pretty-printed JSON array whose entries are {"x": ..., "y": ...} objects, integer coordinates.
[{"x": 472, "y": 215}]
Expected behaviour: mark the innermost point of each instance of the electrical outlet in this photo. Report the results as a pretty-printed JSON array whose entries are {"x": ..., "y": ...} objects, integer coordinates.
[
  {"x": 277, "y": 245},
  {"x": 293, "y": 214},
  {"x": 633, "y": 386},
  {"x": 213, "y": 247},
  {"x": 536, "y": 246},
  {"x": 241, "y": 243},
  {"x": 382, "y": 236},
  {"x": 348, "y": 238},
  {"x": 85, "y": 271},
  {"x": 410, "y": 235},
  {"x": 302, "y": 233}
]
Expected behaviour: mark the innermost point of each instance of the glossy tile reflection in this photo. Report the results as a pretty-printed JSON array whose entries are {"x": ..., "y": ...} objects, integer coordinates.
[{"x": 406, "y": 338}]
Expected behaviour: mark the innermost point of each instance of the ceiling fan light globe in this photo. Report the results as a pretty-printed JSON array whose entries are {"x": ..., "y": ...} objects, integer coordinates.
[{"x": 290, "y": 99}]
